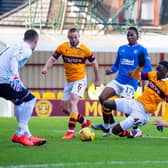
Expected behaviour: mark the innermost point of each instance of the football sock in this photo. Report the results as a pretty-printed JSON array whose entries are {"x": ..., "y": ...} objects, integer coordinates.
[
  {"x": 112, "y": 121},
  {"x": 18, "y": 110},
  {"x": 81, "y": 119},
  {"x": 107, "y": 115},
  {"x": 28, "y": 109},
  {"x": 72, "y": 121},
  {"x": 21, "y": 128},
  {"x": 106, "y": 126},
  {"x": 24, "y": 112}
]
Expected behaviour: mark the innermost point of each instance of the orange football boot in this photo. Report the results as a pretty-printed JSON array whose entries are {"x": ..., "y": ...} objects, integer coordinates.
[
  {"x": 37, "y": 141},
  {"x": 69, "y": 135},
  {"x": 24, "y": 140},
  {"x": 86, "y": 125}
]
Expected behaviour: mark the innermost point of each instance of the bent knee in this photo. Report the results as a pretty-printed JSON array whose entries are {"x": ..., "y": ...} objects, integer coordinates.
[
  {"x": 101, "y": 99},
  {"x": 110, "y": 104}
]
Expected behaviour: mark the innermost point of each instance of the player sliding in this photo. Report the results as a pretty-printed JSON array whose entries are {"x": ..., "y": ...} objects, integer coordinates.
[
  {"x": 11, "y": 87},
  {"x": 140, "y": 109}
]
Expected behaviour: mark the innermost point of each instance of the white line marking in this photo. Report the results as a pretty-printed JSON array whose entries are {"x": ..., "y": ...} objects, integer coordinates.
[
  {"x": 97, "y": 133},
  {"x": 145, "y": 162},
  {"x": 100, "y": 133}
]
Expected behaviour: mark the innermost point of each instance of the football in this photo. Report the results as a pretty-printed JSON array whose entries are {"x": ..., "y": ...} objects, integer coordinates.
[{"x": 86, "y": 134}]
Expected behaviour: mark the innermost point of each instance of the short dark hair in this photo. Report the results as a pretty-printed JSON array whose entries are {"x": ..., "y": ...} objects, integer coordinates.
[
  {"x": 164, "y": 63},
  {"x": 72, "y": 30},
  {"x": 134, "y": 29},
  {"x": 30, "y": 35}
]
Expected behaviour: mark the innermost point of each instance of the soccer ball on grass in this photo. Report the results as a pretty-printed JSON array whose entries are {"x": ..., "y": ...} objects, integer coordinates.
[{"x": 86, "y": 134}]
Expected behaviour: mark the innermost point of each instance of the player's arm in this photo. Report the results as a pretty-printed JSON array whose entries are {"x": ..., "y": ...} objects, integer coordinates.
[
  {"x": 114, "y": 68},
  {"x": 14, "y": 66},
  {"x": 147, "y": 66},
  {"x": 136, "y": 74},
  {"x": 14, "y": 79},
  {"x": 51, "y": 61},
  {"x": 160, "y": 123},
  {"x": 96, "y": 72},
  {"x": 48, "y": 65}
]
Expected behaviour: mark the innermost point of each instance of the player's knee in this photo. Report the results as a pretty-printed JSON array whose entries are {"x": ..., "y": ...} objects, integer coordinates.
[
  {"x": 101, "y": 99},
  {"x": 110, "y": 104}
]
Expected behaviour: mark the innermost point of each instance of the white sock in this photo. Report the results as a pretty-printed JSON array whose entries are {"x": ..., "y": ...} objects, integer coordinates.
[
  {"x": 21, "y": 128},
  {"x": 18, "y": 109},
  {"x": 106, "y": 126},
  {"x": 84, "y": 122},
  {"x": 24, "y": 113}
]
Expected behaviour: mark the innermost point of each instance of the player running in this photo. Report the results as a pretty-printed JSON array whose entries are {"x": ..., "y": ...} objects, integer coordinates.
[{"x": 74, "y": 55}]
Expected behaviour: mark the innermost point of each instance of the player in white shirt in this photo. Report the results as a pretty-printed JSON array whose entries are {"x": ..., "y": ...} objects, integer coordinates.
[{"x": 12, "y": 60}]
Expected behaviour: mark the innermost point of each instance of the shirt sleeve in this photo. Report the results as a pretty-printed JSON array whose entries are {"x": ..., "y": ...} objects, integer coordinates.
[
  {"x": 115, "y": 67},
  {"x": 147, "y": 66},
  {"x": 57, "y": 52},
  {"x": 89, "y": 54},
  {"x": 19, "y": 59}
]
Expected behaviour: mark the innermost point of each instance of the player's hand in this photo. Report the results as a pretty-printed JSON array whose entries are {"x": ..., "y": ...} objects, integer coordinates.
[
  {"x": 16, "y": 84},
  {"x": 44, "y": 71},
  {"x": 159, "y": 125},
  {"x": 141, "y": 59},
  {"x": 108, "y": 72}
]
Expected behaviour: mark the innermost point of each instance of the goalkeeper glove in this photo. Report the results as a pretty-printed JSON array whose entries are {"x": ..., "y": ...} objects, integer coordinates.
[
  {"x": 16, "y": 84},
  {"x": 159, "y": 128},
  {"x": 141, "y": 59}
]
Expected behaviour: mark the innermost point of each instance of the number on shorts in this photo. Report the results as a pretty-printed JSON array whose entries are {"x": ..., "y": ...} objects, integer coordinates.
[{"x": 79, "y": 87}]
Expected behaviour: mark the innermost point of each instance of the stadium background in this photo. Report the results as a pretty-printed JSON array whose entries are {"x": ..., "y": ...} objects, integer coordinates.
[{"x": 102, "y": 24}]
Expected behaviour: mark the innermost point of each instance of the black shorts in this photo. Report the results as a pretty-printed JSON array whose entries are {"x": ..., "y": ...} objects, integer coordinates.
[{"x": 7, "y": 92}]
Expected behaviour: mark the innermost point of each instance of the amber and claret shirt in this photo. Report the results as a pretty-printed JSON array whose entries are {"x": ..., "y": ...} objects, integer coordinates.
[
  {"x": 155, "y": 92},
  {"x": 74, "y": 60}
]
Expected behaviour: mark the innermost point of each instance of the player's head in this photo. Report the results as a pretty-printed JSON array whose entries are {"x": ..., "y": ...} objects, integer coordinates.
[
  {"x": 73, "y": 36},
  {"x": 31, "y": 37},
  {"x": 162, "y": 70},
  {"x": 132, "y": 35}
]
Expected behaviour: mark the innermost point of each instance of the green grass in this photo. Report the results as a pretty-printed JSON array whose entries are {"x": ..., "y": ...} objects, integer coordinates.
[{"x": 150, "y": 151}]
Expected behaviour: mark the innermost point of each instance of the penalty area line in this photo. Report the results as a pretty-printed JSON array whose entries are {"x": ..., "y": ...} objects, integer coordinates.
[{"x": 143, "y": 162}]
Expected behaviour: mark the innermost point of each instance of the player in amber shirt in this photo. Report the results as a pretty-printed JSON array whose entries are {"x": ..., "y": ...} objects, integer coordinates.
[
  {"x": 140, "y": 109},
  {"x": 74, "y": 55}
]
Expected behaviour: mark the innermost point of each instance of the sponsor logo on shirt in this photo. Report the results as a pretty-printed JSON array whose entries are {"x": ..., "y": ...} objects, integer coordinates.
[{"x": 127, "y": 62}]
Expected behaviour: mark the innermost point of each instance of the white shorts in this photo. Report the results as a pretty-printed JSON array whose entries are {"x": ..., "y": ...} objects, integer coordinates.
[
  {"x": 78, "y": 87},
  {"x": 137, "y": 114},
  {"x": 126, "y": 91}
]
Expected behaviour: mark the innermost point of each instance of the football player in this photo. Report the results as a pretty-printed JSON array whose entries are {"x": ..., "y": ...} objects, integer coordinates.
[
  {"x": 140, "y": 109},
  {"x": 74, "y": 55},
  {"x": 12, "y": 61}
]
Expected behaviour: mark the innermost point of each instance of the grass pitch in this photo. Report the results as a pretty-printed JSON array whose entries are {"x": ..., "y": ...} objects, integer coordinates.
[{"x": 150, "y": 151}]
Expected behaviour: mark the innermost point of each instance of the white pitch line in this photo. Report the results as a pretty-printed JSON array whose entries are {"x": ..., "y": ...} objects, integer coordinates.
[
  {"x": 145, "y": 162},
  {"x": 100, "y": 133}
]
